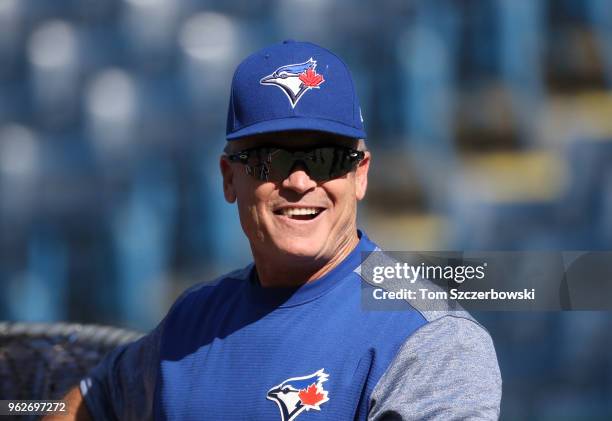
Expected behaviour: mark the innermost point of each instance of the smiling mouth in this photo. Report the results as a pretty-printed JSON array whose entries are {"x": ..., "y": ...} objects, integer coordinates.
[{"x": 299, "y": 214}]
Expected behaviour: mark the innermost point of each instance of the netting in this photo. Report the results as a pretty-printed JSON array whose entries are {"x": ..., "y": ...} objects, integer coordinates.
[{"x": 44, "y": 360}]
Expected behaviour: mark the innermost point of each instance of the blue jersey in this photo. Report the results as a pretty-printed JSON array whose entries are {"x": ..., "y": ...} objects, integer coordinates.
[{"x": 237, "y": 351}]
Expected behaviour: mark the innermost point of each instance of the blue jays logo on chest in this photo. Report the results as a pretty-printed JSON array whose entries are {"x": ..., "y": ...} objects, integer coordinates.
[
  {"x": 295, "y": 79},
  {"x": 298, "y": 394}
]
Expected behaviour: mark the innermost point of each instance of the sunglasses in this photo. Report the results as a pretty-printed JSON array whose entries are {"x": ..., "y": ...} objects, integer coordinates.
[{"x": 321, "y": 164}]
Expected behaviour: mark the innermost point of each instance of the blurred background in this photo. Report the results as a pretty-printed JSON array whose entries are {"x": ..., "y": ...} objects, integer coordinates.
[{"x": 490, "y": 124}]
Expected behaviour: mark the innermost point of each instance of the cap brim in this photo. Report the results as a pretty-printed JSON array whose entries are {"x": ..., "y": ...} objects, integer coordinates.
[{"x": 298, "y": 123}]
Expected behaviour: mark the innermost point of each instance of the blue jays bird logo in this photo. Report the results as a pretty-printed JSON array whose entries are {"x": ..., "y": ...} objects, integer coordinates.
[
  {"x": 299, "y": 394},
  {"x": 295, "y": 79}
]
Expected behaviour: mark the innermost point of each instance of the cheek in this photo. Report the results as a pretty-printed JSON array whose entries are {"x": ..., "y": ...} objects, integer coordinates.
[
  {"x": 251, "y": 202},
  {"x": 342, "y": 193}
]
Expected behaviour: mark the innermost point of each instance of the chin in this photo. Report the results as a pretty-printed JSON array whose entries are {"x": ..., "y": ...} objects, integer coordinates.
[{"x": 301, "y": 247}]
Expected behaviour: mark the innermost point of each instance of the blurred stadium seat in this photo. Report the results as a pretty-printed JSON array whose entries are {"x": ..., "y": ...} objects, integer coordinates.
[{"x": 583, "y": 210}]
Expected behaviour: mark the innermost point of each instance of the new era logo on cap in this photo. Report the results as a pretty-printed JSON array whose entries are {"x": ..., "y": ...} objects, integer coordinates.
[{"x": 293, "y": 86}]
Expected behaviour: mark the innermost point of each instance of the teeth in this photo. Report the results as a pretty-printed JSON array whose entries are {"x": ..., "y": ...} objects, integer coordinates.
[{"x": 300, "y": 211}]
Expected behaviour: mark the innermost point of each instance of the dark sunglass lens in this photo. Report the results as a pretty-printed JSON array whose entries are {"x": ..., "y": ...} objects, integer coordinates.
[
  {"x": 337, "y": 163},
  {"x": 258, "y": 164},
  {"x": 281, "y": 164},
  {"x": 321, "y": 164}
]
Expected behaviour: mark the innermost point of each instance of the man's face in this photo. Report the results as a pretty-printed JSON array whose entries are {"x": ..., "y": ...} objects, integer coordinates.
[{"x": 271, "y": 213}]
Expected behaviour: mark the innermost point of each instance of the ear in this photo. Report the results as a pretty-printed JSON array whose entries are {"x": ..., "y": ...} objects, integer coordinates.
[
  {"x": 227, "y": 172},
  {"x": 361, "y": 176}
]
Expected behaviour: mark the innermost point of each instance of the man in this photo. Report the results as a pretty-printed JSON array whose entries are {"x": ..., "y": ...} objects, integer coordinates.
[{"x": 287, "y": 337}]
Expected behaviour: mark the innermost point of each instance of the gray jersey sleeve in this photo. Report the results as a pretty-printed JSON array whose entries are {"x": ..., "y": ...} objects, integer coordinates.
[
  {"x": 122, "y": 386},
  {"x": 447, "y": 370}
]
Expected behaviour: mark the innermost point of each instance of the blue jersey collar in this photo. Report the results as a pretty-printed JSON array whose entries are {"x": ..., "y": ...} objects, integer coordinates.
[{"x": 288, "y": 297}]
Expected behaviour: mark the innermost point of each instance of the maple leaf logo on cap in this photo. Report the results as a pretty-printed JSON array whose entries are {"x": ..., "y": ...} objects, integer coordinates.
[{"x": 311, "y": 79}]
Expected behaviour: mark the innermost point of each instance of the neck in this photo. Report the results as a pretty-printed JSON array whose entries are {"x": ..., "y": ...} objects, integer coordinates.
[{"x": 296, "y": 270}]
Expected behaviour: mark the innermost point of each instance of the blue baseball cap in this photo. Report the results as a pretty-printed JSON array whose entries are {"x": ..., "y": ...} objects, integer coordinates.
[{"x": 293, "y": 86}]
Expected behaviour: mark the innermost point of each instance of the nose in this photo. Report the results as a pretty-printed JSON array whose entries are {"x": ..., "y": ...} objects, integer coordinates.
[{"x": 299, "y": 180}]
